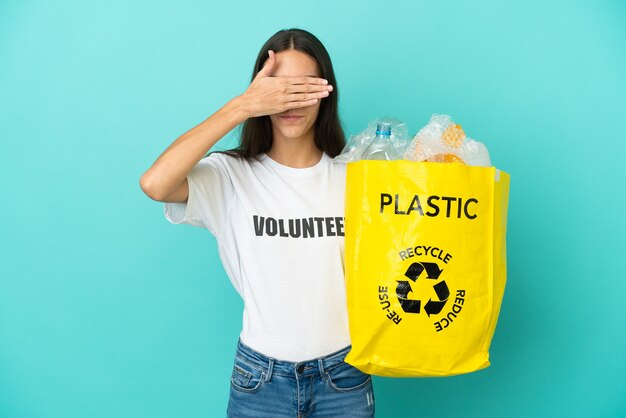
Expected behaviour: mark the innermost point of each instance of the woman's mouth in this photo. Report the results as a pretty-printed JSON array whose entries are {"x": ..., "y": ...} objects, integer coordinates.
[{"x": 291, "y": 118}]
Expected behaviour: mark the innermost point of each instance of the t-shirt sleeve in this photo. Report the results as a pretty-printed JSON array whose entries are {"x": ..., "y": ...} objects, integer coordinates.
[{"x": 210, "y": 194}]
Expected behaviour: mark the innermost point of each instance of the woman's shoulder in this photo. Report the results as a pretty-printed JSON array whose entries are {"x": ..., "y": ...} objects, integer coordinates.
[
  {"x": 337, "y": 165},
  {"x": 227, "y": 157},
  {"x": 230, "y": 161}
]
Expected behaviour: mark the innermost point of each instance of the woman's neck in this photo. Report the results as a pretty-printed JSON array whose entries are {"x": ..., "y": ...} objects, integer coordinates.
[{"x": 294, "y": 153}]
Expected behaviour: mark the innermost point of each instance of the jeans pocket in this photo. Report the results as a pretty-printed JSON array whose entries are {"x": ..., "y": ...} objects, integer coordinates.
[
  {"x": 346, "y": 377},
  {"x": 246, "y": 377}
]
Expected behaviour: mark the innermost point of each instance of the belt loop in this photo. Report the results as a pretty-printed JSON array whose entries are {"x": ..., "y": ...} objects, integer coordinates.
[
  {"x": 320, "y": 363},
  {"x": 270, "y": 369}
]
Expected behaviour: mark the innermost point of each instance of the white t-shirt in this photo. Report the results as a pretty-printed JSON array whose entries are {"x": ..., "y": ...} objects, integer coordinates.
[{"x": 280, "y": 237}]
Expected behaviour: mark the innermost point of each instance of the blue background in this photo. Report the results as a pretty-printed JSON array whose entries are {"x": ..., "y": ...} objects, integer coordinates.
[{"x": 107, "y": 310}]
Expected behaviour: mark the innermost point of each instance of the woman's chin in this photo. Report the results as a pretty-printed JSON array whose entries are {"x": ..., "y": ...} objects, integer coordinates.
[{"x": 292, "y": 132}]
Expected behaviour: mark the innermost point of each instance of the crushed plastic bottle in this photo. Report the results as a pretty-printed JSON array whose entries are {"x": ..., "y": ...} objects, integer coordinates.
[
  {"x": 443, "y": 141},
  {"x": 381, "y": 147},
  {"x": 356, "y": 145}
]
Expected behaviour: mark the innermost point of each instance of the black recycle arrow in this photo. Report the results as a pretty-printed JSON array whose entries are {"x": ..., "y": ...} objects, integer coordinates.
[
  {"x": 415, "y": 269},
  {"x": 433, "y": 270},
  {"x": 404, "y": 287},
  {"x": 433, "y": 307},
  {"x": 408, "y": 305}
]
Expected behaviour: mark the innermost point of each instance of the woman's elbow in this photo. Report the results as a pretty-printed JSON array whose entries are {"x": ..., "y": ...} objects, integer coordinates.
[{"x": 146, "y": 183}]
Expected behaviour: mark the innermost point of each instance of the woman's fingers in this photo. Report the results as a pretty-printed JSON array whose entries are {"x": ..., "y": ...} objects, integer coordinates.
[
  {"x": 305, "y": 91},
  {"x": 303, "y": 97},
  {"x": 295, "y": 105},
  {"x": 305, "y": 84},
  {"x": 304, "y": 81},
  {"x": 307, "y": 88},
  {"x": 274, "y": 94},
  {"x": 267, "y": 67}
]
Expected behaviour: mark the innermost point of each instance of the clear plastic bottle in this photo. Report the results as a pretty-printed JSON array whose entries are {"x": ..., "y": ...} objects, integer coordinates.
[{"x": 381, "y": 147}]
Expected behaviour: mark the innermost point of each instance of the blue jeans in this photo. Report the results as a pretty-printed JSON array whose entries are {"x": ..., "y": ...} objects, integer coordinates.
[{"x": 327, "y": 386}]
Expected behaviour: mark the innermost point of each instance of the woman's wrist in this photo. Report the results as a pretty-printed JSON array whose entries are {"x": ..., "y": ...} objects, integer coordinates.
[{"x": 239, "y": 109}]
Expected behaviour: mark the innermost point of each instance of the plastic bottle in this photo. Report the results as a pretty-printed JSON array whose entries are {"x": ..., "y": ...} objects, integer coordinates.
[{"x": 381, "y": 147}]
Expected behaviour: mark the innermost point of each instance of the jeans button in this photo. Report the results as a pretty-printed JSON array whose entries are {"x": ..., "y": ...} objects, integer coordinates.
[{"x": 300, "y": 368}]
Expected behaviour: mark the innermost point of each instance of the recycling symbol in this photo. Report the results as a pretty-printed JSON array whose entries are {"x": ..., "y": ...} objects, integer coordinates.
[{"x": 414, "y": 271}]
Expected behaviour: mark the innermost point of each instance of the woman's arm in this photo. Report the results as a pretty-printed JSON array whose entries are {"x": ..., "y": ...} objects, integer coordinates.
[{"x": 166, "y": 180}]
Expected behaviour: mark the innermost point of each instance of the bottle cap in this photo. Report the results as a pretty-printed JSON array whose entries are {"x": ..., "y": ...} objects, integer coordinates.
[{"x": 384, "y": 129}]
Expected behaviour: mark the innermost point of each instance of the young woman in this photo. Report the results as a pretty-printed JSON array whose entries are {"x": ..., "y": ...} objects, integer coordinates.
[{"x": 275, "y": 204}]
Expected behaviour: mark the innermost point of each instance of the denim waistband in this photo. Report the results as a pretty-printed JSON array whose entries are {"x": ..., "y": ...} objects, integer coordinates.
[{"x": 287, "y": 368}]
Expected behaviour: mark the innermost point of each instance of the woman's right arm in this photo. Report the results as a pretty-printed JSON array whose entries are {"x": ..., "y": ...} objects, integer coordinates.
[{"x": 166, "y": 180}]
